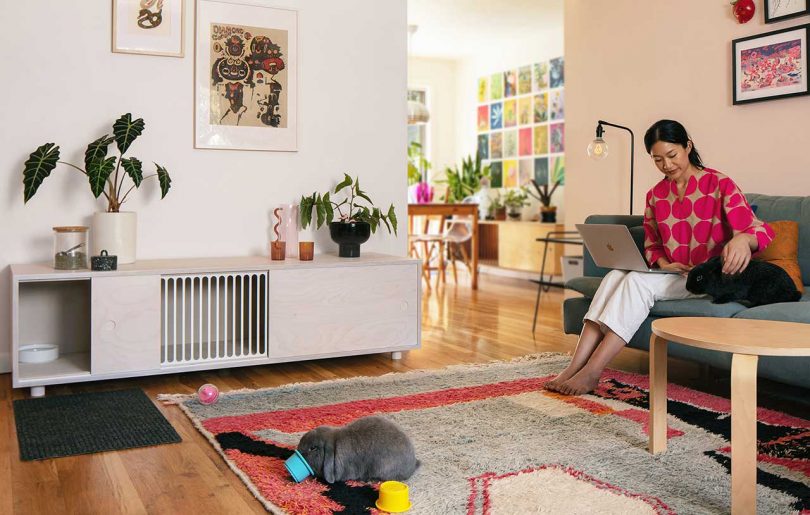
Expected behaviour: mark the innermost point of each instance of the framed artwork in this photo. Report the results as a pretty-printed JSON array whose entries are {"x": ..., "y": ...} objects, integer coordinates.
[
  {"x": 496, "y": 174},
  {"x": 510, "y": 112},
  {"x": 557, "y": 105},
  {"x": 557, "y": 73},
  {"x": 496, "y": 145},
  {"x": 779, "y": 10},
  {"x": 770, "y": 66},
  {"x": 510, "y": 83},
  {"x": 153, "y": 27},
  {"x": 524, "y": 80},
  {"x": 483, "y": 118},
  {"x": 525, "y": 172},
  {"x": 540, "y": 76},
  {"x": 510, "y": 143},
  {"x": 525, "y": 110},
  {"x": 541, "y": 108},
  {"x": 496, "y": 86},
  {"x": 525, "y": 141},
  {"x": 541, "y": 170},
  {"x": 483, "y": 146},
  {"x": 510, "y": 173},
  {"x": 541, "y": 139},
  {"x": 483, "y": 89},
  {"x": 496, "y": 115},
  {"x": 558, "y": 170},
  {"x": 557, "y": 137},
  {"x": 246, "y": 76}
]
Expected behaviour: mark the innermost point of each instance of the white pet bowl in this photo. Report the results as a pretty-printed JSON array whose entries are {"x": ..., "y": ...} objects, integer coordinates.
[{"x": 38, "y": 353}]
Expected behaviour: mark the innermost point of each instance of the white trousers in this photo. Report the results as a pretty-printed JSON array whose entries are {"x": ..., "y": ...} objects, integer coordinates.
[{"x": 624, "y": 299}]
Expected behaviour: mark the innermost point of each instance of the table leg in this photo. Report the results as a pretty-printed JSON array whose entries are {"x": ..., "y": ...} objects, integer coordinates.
[
  {"x": 658, "y": 394},
  {"x": 744, "y": 433}
]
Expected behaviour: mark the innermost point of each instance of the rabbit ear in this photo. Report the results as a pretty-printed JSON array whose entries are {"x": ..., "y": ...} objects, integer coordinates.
[{"x": 329, "y": 472}]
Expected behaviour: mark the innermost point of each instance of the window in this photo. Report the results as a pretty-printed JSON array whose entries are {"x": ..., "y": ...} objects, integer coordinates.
[{"x": 418, "y": 133}]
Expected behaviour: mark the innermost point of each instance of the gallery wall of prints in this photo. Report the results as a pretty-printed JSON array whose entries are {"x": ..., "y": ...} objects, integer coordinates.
[{"x": 521, "y": 124}]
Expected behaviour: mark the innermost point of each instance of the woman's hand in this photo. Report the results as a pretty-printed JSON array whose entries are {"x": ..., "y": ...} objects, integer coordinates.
[
  {"x": 676, "y": 267},
  {"x": 737, "y": 253}
]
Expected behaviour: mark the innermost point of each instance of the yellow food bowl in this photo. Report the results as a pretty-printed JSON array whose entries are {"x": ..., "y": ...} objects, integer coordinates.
[{"x": 393, "y": 497}]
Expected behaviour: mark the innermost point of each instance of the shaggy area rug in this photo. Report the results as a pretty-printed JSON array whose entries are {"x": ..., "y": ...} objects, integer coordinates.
[{"x": 492, "y": 441}]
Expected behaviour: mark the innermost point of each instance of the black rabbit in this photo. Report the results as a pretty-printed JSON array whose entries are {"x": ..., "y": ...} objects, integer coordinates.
[
  {"x": 370, "y": 448},
  {"x": 760, "y": 283}
]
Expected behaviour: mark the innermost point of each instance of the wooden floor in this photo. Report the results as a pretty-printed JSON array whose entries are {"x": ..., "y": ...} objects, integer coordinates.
[{"x": 459, "y": 326}]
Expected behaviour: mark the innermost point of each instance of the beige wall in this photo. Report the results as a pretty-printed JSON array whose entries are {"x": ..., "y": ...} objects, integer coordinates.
[
  {"x": 633, "y": 62},
  {"x": 438, "y": 77},
  {"x": 62, "y": 84}
]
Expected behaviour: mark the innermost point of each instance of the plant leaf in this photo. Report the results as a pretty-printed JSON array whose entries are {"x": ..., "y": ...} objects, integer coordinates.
[
  {"x": 321, "y": 211},
  {"x": 393, "y": 217},
  {"x": 97, "y": 150},
  {"x": 347, "y": 181},
  {"x": 305, "y": 211},
  {"x": 330, "y": 212},
  {"x": 134, "y": 169},
  {"x": 98, "y": 172},
  {"x": 126, "y": 130},
  {"x": 164, "y": 179},
  {"x": 39, "y": 165}
]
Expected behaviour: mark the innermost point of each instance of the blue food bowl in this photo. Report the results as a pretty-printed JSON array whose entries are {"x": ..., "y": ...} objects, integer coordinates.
[{"x": 298, "y": 467}]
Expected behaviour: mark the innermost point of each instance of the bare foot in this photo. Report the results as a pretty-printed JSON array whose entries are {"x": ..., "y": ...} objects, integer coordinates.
[
  {"x": 565, "y": 375},
  {"x": 581, "y": 383}
]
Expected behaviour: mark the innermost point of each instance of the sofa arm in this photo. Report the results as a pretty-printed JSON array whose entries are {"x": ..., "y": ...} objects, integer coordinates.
[{"x": 589, "y": 268}]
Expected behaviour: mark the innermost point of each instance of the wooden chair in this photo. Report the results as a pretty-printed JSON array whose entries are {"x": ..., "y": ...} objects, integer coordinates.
[{"x": 456, "y": 235}]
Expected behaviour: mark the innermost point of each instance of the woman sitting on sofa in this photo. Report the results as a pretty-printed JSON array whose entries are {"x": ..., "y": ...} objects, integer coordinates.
[{"x": 692, "y": 214}]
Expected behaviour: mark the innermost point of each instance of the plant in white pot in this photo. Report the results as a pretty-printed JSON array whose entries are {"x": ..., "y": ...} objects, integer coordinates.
[
  {"x": 356, "y": 222},
  {"x": 113, "y": 230}
]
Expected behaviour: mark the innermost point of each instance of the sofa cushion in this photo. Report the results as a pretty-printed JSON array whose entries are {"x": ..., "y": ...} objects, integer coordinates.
[
  {"x": 773, "y": 208},
  {"x": 584, "y": 285},
  {"x": 702, "y": 307},
  {"x": 784, "y": 250},
  {"x": 783, "y": 311}
]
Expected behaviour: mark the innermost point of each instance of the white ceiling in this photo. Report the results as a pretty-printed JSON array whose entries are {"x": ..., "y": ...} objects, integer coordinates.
[{"x": 456, "y": 29}]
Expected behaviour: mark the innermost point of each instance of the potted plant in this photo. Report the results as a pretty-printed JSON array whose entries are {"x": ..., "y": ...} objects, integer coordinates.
[
  {"x": 548, "y": 213},
  {"x": 515, "y": 200},
  {"x": 113, "y": 230},
  {"x": 356, "y": 222},
  {"x": 465, "y": 182},
  {"x": 497, "y": 209}
]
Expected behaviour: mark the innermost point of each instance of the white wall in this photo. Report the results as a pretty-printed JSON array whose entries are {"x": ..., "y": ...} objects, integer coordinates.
[
  {"x": 438, "y": 77},
  {"x": 62, "y": 84}
]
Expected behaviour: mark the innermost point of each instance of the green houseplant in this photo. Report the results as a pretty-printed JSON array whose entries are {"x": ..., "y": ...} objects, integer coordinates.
[
  {"x": 464, "y": 182},
  {"x": 417, "y": 164},
  {"x": 356, "y": 221},
  {"x": 114, "y": 230},
  {"x": 514, "y": 200},
  {"x": 548, "y": 213}
]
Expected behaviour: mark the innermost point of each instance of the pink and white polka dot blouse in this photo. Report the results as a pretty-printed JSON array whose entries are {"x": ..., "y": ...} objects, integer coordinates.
[{"x": 692, "y": 230}]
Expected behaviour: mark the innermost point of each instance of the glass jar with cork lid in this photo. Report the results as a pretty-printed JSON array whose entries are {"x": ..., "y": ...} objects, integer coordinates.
[{"x": 70, "y": 247}]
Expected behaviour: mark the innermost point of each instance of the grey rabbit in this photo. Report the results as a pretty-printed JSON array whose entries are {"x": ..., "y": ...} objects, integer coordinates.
[
  {"x": 760, "y": 283},
  {"x": 368, "y": 449}
]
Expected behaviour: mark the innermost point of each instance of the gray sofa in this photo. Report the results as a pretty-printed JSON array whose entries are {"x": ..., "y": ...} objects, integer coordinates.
[{"x": 790, "y": 370}]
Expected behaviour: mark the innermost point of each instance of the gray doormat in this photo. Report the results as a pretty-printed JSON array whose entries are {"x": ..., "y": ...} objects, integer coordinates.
[{"x": 84, "y": 423}]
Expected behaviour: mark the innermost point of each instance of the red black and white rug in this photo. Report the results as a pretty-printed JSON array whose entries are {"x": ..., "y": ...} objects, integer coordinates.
[{"x": 492, "y": 441}]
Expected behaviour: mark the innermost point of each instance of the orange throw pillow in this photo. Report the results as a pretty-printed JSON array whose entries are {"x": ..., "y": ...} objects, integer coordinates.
[{"x": 784, "y": 250}]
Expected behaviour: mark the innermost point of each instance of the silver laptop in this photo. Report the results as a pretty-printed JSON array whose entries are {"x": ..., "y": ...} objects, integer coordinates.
[{"x": 612, "y": 246}]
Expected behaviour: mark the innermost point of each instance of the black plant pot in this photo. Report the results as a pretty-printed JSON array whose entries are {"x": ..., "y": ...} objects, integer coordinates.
[
  {"x": 548, "y": 216},
  {"x": 349, "y": 236}
]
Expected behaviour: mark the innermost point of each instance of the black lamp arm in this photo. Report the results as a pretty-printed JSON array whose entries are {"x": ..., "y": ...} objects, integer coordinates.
[{"x": 600, "y": 130}]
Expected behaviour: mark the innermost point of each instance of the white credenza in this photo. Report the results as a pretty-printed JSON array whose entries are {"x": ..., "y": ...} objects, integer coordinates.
[{"x": 179, "y": 315}]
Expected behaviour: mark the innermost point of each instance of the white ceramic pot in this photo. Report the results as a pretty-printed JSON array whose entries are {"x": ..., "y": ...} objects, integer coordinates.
[{"x": 116, "y": 233}]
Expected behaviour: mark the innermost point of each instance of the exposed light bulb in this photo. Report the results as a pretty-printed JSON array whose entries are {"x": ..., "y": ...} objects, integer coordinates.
[{"x": 598, "y": 149}]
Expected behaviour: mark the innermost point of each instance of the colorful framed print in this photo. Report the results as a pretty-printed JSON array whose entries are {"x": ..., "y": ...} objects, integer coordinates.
[
  {"x": 541, "y": 108},
  {"x": 540, "y": 76},
  {"x": 541, "y": 139},
  {"x": 153, "y": 27},
  {"x": 496, "y": 116},
  {"x": 496, "y": 174},
  {"x": 496, "y": 86},
  {"x": 483, "y": 118},
  {"x": 510, "y": 140},
  {"x": 483, "y": 146},
  {"x": 556, "y": 133},
  {"x": 557, "y": 73},
  {"x": 510, "y": 83},
  {"x": 557, "y": 105},
  {"x": 525, "y": 172},
  {"x": 524, "y": 80},
  {"x": 541, "y": 170},
  {"x": 780, "y": 10},
  {"x": 483, "y": 89},
  {"x": 510, "y": 173},
  {"x": 246, "y": 76},
  {"x": 558, "y": 170},
  {"x": 496, "y": 145},
  {"x": 771, "y": 65},
  {"x": 510, "y": 112},
  {"x": 525, "y": 147},
  {"x": 525, "y": 115}
]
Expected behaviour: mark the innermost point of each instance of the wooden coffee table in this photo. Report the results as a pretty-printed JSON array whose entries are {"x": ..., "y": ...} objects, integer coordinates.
[{"x": 747, "y": 340}]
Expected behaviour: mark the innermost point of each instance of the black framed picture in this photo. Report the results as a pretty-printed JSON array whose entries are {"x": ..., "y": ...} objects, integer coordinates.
[
  {"x": 771, "y": 65},
  {"x": 779, "y": 10}
]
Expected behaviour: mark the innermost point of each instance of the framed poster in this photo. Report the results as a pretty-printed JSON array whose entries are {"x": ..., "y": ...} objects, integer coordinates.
[
  {"x": 246, "y": 76},
  {"x": 770, "y": 66},
  {"x": 779, "y": 10},
  {"x": 153, "y": 27}
]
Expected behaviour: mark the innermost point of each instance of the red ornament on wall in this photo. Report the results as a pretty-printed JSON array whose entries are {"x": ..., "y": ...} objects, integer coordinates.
[{"x": 744, "y": 10}]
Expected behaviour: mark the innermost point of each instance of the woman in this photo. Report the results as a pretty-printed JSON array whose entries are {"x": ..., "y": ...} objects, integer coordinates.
[{"x": 693, "y": 214}]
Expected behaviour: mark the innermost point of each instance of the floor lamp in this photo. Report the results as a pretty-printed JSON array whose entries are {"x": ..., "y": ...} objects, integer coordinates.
[{"x": 598, "y": 150}]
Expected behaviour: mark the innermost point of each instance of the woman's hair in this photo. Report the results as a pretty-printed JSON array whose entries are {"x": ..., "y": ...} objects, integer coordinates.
[{"x": 671, "y": 131}]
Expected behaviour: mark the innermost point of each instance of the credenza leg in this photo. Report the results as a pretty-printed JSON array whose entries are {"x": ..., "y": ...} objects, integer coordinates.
[
  {"x": 37, "y": 391},
  {"x": 396, "y": 355}
]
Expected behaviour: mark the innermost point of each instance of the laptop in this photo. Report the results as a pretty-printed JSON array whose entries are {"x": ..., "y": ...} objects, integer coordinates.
[{"x": 612, "y": 246}]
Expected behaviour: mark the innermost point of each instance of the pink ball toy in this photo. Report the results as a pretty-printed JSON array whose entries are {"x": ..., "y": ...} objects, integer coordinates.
[{"x": 208, "y": 394}]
